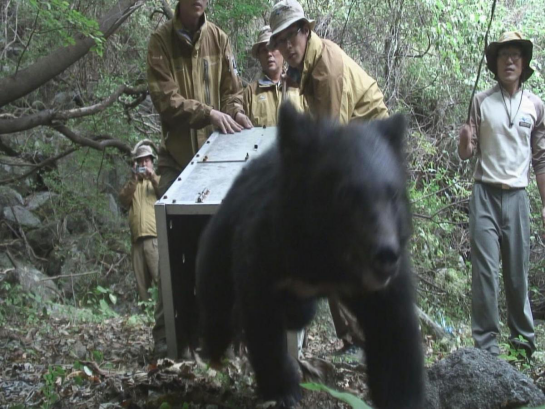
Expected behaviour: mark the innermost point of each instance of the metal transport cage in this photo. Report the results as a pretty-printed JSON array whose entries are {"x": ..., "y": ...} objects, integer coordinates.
[{"x": 181, "y": 215}]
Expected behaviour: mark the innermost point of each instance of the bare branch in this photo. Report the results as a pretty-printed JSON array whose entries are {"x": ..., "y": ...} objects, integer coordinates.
[
  {"x": 106, "y": 141},
  {"x": 28, "y": 42},
  {"x": 26, "y": 122},
  {"x": 93, "y": 109},
  {"x": 46, "y": 117},
  {"x": 345, "y": 23},
  {"x": 69, "y": 276},
  {"x": 38, "y": 167},
  {"x": 421, "y": 55}
]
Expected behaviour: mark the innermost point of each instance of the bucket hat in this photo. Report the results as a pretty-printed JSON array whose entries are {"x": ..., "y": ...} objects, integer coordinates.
[
  {"x": 510, "y": 38},
  {"x": 142, "y": 151},
  {"x": 262, "y": 38},
  {"x": 284, "y": 14}
]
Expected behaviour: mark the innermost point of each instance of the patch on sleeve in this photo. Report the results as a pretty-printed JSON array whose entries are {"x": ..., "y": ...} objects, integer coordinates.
[
  {"x": 525, "y": 122},
  {"x": 234, "y": 65}
]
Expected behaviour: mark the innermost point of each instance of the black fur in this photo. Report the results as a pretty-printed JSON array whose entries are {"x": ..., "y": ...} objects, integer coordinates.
[{"x": 325, "y": 210}]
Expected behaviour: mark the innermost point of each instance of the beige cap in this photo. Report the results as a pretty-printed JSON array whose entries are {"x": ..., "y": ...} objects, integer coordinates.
[
  {"x": 510, "y": 38},
  {"x": 262, "y": 38},
  {"x": 143, "y": 151},
  {"x": 284, "y": 14}
]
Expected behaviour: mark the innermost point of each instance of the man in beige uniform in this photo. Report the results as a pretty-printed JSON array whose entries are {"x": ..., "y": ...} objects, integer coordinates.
[
  {"x": 331, "y": 82},
  {"x": 139, "y": 196},
  {"x": 194, "y": 86},
  {"x": 332, "y": 85},
  {"x": 506, "y": 133},
  {"x": 263, "y": 97}
]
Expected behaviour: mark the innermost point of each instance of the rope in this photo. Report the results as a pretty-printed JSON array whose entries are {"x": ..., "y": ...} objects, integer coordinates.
[{"x": 482, "y": 59}]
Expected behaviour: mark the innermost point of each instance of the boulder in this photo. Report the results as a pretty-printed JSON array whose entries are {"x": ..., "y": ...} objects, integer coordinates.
[
  {"x": 5, "y": 262},
  {"x": 21, "y": 216},
  {"x": 77, "y": 223},
  {"x": 43, "y": 239},
  {"x": 12, "y": 167},
  {"x": 32, "y": 280},
  {"x": 471, "y": 378},
  {"x": 9, "y": 197},
  {"x": 38, "y": 199}
]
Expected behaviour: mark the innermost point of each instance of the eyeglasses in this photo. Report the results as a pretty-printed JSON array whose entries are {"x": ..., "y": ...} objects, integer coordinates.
[
  {"x": 282, "y": 42},
  {"x": 505, "y": 55}
]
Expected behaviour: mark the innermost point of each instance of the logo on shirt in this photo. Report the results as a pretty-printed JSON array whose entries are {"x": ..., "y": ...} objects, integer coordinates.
[
  {"x": 525, "y": 122},
  {"x": 262, "y": 98}
]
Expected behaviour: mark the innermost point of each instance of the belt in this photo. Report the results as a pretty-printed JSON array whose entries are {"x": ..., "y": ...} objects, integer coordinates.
[{"x": 501, "y": 186}]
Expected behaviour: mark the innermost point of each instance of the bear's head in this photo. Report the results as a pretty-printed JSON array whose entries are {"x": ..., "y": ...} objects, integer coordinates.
[{"x": 344, "y": 198}]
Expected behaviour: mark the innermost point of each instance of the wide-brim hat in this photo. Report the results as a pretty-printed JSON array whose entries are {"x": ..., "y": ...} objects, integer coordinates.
[
  {"x": 142, "y": 150},
  {"x": 510, "y": 38},
  {"x": 262, "y": 38},
  {"x": 284, "y": 14}
]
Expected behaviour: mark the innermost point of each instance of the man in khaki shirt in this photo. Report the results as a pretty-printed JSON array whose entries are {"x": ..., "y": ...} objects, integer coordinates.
[
  {"x": 506, "y": 133},
  {"x": 332, "y": 84},
  {"x": 263, "y": 97},
  {"x": 139, "y": 196},
  {"x": 195, "y": 88}
]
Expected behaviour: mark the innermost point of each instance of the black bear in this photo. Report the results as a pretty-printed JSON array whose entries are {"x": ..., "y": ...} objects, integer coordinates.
[{"x": 324, "y": 211}]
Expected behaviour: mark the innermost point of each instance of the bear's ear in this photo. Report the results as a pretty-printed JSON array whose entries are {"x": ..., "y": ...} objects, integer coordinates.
[
  {"x": 294, "y": 130},
  {"x": 393, "y": 130}
]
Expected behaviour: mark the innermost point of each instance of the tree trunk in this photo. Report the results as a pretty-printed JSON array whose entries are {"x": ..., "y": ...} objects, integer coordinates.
[{"x": 48, "y": 67}]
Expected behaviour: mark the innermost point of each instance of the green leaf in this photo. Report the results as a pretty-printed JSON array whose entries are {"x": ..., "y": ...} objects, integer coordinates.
[{"x": 346, "y": 397}]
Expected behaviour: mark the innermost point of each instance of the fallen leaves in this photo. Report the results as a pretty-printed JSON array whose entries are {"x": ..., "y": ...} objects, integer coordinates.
[{"x": 67, "y": 360}]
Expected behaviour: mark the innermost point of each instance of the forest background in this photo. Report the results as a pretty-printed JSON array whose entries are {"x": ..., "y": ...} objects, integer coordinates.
[{"x": 73, "y": 102}]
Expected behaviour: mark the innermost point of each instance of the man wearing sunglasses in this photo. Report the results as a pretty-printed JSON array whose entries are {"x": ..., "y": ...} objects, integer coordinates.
[
  {"x": 506, "y": 132},
  {"x": 332, "y": 84}
]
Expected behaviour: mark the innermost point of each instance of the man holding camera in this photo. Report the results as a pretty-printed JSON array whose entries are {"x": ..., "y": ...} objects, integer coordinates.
[{"x": 139, "y": 195}]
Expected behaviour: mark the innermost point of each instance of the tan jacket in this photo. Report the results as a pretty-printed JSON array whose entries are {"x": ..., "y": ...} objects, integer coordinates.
[
  {"x": 186, "y": 81},
  {"x": 139, "y": 197},
  {"x": 334, "y": 85},
  {"x": 262, "y": 100}
]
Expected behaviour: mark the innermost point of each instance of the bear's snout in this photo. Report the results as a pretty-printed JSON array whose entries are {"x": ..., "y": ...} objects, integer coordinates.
[{"x": 386, "y": 259}]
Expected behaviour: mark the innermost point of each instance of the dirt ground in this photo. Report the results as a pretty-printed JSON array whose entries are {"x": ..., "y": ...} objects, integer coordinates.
[
  {"x": 58, "y": 358},
  {"x": 62, "y": 357}
]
